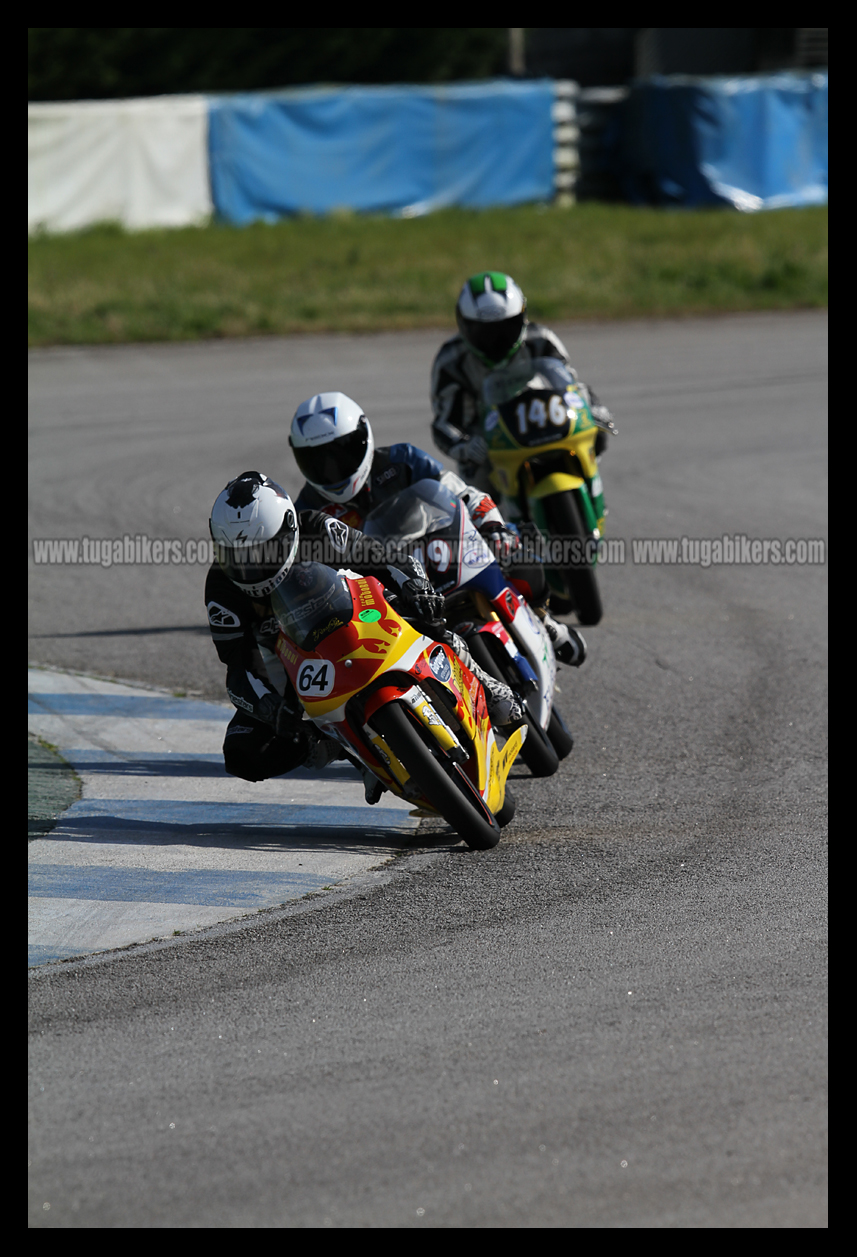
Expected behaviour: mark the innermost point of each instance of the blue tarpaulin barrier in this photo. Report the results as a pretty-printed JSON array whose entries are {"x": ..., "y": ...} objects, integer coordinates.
[
  {"x": 400, "y": 150},
  {"x": 755, "y": 142}
]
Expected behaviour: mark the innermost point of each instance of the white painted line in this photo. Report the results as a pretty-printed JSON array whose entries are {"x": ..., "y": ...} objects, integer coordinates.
[{"x": 162, "y": 840}]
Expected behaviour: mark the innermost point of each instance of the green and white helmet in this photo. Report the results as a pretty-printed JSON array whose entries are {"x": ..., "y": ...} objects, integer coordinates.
[{"x": 491, "y": 314}]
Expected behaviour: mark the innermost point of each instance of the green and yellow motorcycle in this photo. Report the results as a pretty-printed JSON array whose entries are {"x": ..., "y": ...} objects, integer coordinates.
[{"x": 541, "y": 437}]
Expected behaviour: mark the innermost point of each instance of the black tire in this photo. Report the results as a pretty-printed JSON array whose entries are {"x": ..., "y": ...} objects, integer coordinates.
[
  {"x": 507, "y": 811},
  {"x": 560, "y": 605},
  {"x": 560, "y": 735},
  {"x": 443, "y": 783},
  {"x": 537, "y": 752},
  {"x": 564, "y": 519}
]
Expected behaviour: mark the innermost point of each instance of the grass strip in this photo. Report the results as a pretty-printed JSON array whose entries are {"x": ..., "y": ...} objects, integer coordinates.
[
  {"x": 52, "y": 787},
  {"x": 355, "y": 273}
]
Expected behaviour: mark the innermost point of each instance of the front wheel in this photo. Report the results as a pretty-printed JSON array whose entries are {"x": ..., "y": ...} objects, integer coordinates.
[
  {"x": 560, "y": 735},
  {"x": 563, "y": 519},
  {"x": 441, "y": 782}
]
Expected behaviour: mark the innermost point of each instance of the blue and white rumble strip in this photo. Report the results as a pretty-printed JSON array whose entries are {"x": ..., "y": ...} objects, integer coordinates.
[{"x": 162, "y": 840}]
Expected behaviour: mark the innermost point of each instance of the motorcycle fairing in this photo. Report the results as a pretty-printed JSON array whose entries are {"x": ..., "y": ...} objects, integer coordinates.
[
  {"x": 379, "y": 650},
  {"x": 537, "y": 459}
]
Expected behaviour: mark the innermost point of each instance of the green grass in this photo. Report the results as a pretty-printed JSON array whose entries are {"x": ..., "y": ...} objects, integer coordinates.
[{"x": 356, "y": 273}]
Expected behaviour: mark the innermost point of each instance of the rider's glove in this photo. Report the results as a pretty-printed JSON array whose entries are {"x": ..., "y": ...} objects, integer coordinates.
[
  {"x": 473, "y": 450},
  {"x": 422, "y": 601},
  {"x": 502, "y": 540},
  {"x": 284, "y": 716}
]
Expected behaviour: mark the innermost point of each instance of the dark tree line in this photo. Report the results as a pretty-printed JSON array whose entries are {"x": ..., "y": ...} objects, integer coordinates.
[{"x": 88, "y": 63}]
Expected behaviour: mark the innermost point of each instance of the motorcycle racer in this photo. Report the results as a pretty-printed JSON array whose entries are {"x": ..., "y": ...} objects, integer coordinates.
[
  {"x": 494, "y": 333},
  {"x": 260, "y": 542},
  {"x": 347, "y": 476}
]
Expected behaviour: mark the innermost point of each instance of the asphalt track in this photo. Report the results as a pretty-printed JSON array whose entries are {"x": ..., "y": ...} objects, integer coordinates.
[{"x": 615, "y": 1019}]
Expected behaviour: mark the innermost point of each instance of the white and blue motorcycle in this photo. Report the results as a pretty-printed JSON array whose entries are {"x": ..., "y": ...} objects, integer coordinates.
[{"x": 502, "y": 633}]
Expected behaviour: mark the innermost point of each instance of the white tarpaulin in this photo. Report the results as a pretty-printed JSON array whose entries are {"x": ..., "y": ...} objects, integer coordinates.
[{"x": 143, "y": 163}]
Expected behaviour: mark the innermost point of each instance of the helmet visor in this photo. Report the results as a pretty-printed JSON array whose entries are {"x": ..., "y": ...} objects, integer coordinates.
[
  {"x": 258, "y": 562},
  {"x": 337, "y": 461},
  {"x": 493, "y": 341}
]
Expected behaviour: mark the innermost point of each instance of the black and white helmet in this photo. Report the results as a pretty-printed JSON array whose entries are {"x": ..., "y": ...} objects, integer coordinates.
[
  {"x": 254, "y": 527},
  {"x": 491, "y": 314},
  {"x": 333, "y": 445}
]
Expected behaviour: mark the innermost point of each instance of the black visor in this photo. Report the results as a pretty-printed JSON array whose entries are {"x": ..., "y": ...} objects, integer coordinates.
[
  {"x": 259, "y": 562},
  {"x": 493, "y": 340},
  {"x": 337, "y": 461}
]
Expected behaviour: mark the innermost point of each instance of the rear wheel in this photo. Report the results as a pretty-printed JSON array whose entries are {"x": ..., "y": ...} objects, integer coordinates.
[
  {"x": 537, "y": 752},
  {"x": 443, "y": 783},
  {"x": 563, "y": 518}
]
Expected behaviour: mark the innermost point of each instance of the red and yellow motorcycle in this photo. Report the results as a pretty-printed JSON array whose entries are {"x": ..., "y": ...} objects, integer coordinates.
[{"x": 397, "y": 702}]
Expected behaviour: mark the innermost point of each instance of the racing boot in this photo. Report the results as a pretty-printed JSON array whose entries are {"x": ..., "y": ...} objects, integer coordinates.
[
  {"x": 568, "y": 644},
  {"x": 372, "y": 787},
  {"x": 322, "y": 751},
  {"x": 504, "y": 706}
]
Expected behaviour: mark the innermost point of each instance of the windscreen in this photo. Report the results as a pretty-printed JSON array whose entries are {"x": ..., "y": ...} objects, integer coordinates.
[
  {"x": 423, "y": 507},
  {"x": 311, "y": 602},
  {"x": 541, "y": 374}
]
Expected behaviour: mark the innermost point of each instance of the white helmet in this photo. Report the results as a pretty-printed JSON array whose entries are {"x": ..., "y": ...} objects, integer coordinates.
[
  {"x": 491, "y": 314},
  {"x": 333, "y": 445},
  {"x": 254, "y": 527}
]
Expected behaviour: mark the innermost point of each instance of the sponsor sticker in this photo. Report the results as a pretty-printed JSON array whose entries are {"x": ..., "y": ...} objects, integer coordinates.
[
  {"x": 440, "y": 664},
  {"x": 478, "y": 556}
]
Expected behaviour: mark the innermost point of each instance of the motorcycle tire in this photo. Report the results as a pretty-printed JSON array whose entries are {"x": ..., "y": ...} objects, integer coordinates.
[
  {"x": 443, "y": 783},
  {"x": 564, "y": 519},
  {"x": 507, "y": 811},
  {"x": 537, "y": 752},
  {"x": 559, "y": 734}
]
